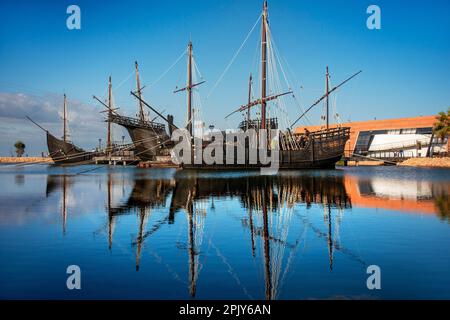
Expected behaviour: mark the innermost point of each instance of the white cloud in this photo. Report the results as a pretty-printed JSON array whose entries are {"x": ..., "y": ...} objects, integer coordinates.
[{"x": 86, "y": 124}]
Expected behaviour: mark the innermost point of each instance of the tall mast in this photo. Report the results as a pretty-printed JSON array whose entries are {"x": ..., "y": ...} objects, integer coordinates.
[
  {"x": 65, "y": 119},
  {"x": 108, "y": 141},
  {"x": 327, "y": 96},
  {"x": 189, "y": 88},
  {"x": 263, "y": 65},
  {"x": 139, "y": 92},
  {"x": 249, "y": 98}
]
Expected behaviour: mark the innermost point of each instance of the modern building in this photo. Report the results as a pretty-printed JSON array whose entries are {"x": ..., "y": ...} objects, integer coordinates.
[{"x": 391, "y": 138}]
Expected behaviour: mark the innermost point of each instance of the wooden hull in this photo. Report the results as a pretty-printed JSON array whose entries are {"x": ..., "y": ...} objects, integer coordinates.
[
  {"x": 147, "y": 137},
  {"x": 146, "y": 142},
  {"x": 317, "y": 164},
  {"x": 63, "y": 152},
  {"x": 322, "y": 150}
]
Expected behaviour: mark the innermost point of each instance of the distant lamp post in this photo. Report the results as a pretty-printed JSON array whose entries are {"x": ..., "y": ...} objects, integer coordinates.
[{"x": 99, "y": 143}]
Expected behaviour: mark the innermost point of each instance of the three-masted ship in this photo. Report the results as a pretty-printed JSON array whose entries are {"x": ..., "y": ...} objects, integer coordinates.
[{"x": 318, "y": 149}]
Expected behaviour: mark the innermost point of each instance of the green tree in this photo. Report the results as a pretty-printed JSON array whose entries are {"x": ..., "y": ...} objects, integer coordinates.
[
  {"x": 20, "y": 148},
  {"x": 441, "y": 127}
]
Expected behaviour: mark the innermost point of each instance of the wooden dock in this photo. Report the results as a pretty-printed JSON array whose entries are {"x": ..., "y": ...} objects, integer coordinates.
[
  {"x": 116, "y": 160},
  {"x": 160, "y": 162},
  {"x": 157, "y": 164}
]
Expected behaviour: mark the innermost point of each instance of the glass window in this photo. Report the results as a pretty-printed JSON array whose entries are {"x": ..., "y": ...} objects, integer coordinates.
[
  {"x": 408, "y": 131},
  {"x": 363, "y": 142},
  {"x": 428, "y": 130}
]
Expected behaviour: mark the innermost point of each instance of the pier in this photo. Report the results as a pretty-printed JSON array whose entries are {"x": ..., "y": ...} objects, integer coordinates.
[
  {"x": 116, "y": 160},
  {"x": 160, "y": 162}
]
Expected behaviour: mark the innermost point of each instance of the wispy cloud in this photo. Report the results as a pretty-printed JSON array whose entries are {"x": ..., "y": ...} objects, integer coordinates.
[{"x": 86, "y": 125}]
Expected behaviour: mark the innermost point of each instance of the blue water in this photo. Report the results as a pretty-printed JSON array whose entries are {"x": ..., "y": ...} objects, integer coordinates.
[{"x": 167, "y": 234}]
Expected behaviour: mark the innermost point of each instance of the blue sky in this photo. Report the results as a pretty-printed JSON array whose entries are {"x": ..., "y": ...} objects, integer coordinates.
[{"x": 406, "y": 65}]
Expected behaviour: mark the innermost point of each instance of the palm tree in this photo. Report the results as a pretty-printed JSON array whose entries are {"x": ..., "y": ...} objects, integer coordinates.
[
  {"x": 441, "y": 127},
  {"x": 20, "y": 148}
]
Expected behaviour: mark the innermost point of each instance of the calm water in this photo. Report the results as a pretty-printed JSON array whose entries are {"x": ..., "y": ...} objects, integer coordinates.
[{"x": 166, "y": 234}]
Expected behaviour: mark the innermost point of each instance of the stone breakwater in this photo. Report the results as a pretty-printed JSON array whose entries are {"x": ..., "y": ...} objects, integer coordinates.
[
  {"x": 427, "y": 162},
  {"x": 25, "y": 160}
]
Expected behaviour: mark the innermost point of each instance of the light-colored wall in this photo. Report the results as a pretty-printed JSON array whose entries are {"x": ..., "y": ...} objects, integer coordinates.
[
  {"x": 390, "y": 141},
  {"x": 385, "y": 124}
]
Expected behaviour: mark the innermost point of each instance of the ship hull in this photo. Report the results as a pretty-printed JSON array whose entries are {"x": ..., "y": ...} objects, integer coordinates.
[
  {"x": 146, "y": 142},
  {"x": 328, "y": 163},
  {"x": 149, "y": 138},
  {"x": 63, "y": 152},
  {"x": 321, "y": 151}
]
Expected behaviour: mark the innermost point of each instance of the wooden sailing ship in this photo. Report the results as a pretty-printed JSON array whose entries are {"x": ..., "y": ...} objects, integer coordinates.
[
  {"x": 149, "y": 137},
  {"x": 319, "y": 149},
  {"x": 63, "y": 151}
]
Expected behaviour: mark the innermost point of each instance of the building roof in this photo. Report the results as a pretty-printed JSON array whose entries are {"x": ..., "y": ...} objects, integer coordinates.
[{"x": 384, "y": 124}]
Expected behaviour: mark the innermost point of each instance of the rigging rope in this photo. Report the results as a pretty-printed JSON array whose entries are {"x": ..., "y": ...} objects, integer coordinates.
[
  {"x": 233, "y": 58},
  {"x": 168, "y": 69},
  {"x": 278, "y": 56}
]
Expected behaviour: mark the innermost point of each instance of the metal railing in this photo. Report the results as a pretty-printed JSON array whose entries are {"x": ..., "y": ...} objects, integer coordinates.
[{"x": 133, "y": 122}]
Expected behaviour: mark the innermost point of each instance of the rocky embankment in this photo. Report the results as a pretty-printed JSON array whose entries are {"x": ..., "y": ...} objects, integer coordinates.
[{"x": 427, "y": 162}]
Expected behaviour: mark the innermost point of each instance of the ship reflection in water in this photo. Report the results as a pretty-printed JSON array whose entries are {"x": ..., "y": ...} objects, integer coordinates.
[{"x": 164, "y": 234}]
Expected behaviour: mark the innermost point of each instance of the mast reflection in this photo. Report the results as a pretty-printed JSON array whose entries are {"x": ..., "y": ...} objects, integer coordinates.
[
  {"x": 270, "y": 198},
  {"x": 271, "y": 204},
  {"x": 60, "y": 183}
]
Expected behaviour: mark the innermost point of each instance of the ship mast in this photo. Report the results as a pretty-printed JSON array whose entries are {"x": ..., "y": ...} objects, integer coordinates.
[
  {"x": 263, "y": 65},
  {"x": 108, "y": 138},
  {"x": 264, "y": 97},
  {"x": 189, "y": 88},
  {"x": 327, "y": 97},
  {"x": 249, "y": 99},
  {"x": 139, "y": 92},
  {"x": 65, "y": 119}
]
